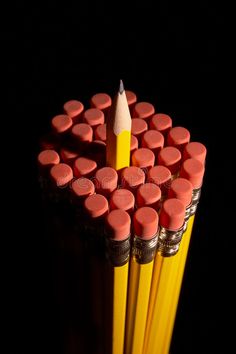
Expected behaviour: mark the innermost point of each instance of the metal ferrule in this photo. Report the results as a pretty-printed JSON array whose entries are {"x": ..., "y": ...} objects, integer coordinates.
[
  {"x": 169, "y": 241},
  {"x": 195, "y": 200},
  {"x": 143, "y": 251},
  {"x": 118, "y": 251},
  {"x": 187, "y": 216}
]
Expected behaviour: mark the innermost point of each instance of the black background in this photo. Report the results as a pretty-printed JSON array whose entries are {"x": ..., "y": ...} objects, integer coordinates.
[{"x": 175, "y": 57}]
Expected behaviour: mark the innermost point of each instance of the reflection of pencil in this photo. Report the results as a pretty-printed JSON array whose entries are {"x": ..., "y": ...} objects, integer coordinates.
[
  {"x": 119, "y": 132},
  {"x": 140, "y": 277}
]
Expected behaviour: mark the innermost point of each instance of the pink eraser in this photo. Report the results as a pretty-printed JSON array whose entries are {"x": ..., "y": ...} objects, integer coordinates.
[
  {"x": 161, "y": 176},
  {"x": 132, "y": 177},
  {"x": 148, "y": 194},
  {"x": 143, "y": 158},
  {"x": 61, "y": 174},
  {"x": 181, "y": 189},
  {"x": 193, "y": 170},
  {"x": 84, "y": 167},
  {"x": 178, "y": 137},
  {"x": 170, "y": 157},
  {"x": 131, "y": 97},
  {"x": 196, "y": 151},
  {"x": 172, "y": 214},
  {"x": 122, "y": 199},
  {"x": 96, "y": 206},
  {"x": 82, "y": 187},
  {"x": 61, "y": 123},
  {"x": 101, "y": 132},
  {"x": 138, "y": 127},
  {"x": 143, "y": 110},
  {"x": 153, "y": 140},
  {"x": 161, "y": 122},
  {"x": 133, "y": 143},
  {"x": 82, "y": 132},
  {"x": 73, "y": 109},
  {"x": 106, "y": 180},
  {"x": 101, "y": 101},
  {"x": 118, "y": 225},
  {"x": 93, "y": 117},
  {"x": 145, "y": 222},
  {"x": 47, "y": 159}
]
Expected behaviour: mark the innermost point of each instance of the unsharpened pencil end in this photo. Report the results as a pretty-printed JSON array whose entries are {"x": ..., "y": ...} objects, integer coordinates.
[{"x": 121, "y": 89}]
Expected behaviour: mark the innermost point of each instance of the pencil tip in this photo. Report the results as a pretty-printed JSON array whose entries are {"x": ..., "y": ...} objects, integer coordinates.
[{"x": 121, "y": 89}]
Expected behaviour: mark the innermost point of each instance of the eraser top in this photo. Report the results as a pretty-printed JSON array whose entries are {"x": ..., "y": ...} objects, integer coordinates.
[
  {"x": 101, "y": 101},
  {"x": 122, "y": 199},
  {"x": 48, "y": 158},
  {"x": 148, "y": 194},
  {"x": 143, "y": 110},
  {"x": 170, "y": 157},
  {"x": 96, "y": 206},
  {"x": 178, "y": 137},
  {"x": 61, "y": 174},
  {"x": 132, "y": 177},
  {"x": 94, "y": 116},
  {"x": 84, "y": 167},
  {"x": 61, "y": 123},
  {"x": 138, "y": 126},
  {"x": 131, "y": 97},
  {"x": 152, "y": 139},
  {"x": 143, "y": 158},
  {"x": 82, "y": 132},
  {"x": 193, "y": 170},
  {"x": 145, "y": 222},
  {"x": 83, "y": 187},
  {"x": 73, "y": 108},
  {"x": 181, "y": 189},
  {"x": 196, "y": 151},
  {"x": 106, "y": 179},
  {"x": 118, "y": 224},
  {"x": 172, "y": 214},
  {"x": 161, "y": 122},
  {"x": 101, "y": 132}
]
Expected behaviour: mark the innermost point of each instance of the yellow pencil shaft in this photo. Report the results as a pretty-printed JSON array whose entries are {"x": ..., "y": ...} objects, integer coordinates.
[
  {"x": 182, "y": 257},
  {"x": 120, "y": 282},
  {"x": 155, "y": 335},
  {"x": 138, "y": 298},
  {"x": 118, "y": 154},
  {"x": 153, "y": 291}
]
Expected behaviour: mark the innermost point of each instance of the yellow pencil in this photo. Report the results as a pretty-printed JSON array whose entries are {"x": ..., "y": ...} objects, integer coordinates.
[
  {"x": 119, "y": 132},
  {"x": 193, "y": 170},
  {"x": 181, "y": 189},
  {"x": 181, "y": 258},
  {"x": 118, "y": 248},
  {"x": 140, "y": 277},
  {"x": 118, "y": 157},
  {"x": 171, "y": 229}
]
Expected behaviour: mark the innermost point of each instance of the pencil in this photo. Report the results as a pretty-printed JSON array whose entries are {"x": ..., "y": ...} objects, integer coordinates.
[
  {"x": 119, "y": 132},
  {"x": 140, "y": 277},
  {"x": 194, "y": 171},
  {"x": 181, "y": 189},
  {"x": 118, "y": 224},
  {"x": 171, "y": 228}
]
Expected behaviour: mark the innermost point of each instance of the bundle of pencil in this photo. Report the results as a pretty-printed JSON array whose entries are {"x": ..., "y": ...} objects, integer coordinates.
[{"x": 128, "y": 185}]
